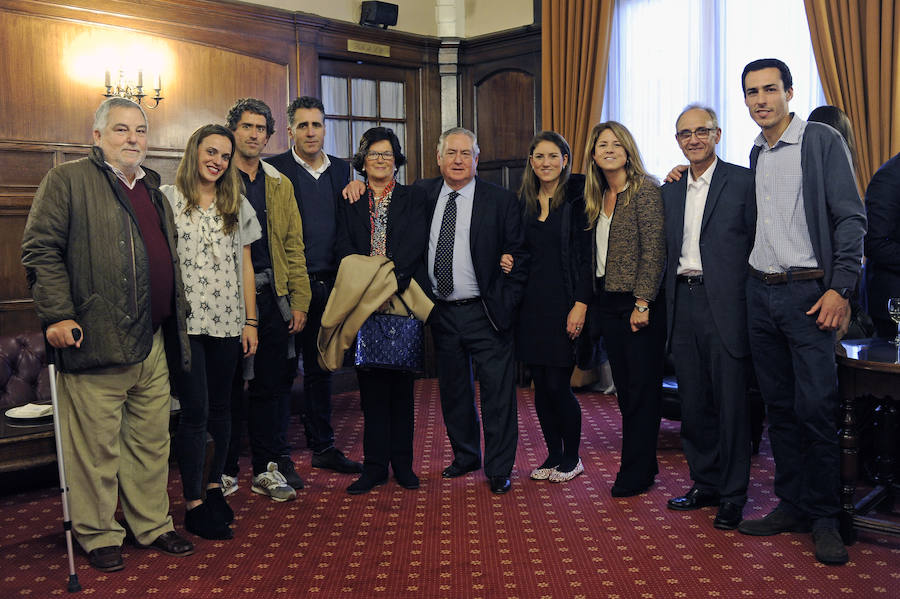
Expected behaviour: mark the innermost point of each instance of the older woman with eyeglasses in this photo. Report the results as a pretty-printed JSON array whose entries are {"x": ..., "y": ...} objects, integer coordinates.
[{"x": 389, "y": 220}]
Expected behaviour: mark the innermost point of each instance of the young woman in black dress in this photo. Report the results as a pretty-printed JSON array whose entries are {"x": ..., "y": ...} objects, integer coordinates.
[{"x": 553, "y": 308}]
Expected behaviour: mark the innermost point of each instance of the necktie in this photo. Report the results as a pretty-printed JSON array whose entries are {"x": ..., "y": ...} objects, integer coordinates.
[{"x": 443, "y": 252}]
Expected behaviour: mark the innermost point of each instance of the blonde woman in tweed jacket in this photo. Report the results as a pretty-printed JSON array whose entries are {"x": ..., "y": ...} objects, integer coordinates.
[{"x": 625, "y": 211}]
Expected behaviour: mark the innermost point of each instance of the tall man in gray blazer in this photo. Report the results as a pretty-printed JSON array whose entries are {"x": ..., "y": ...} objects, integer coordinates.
[{"x": 710, "y": 219}]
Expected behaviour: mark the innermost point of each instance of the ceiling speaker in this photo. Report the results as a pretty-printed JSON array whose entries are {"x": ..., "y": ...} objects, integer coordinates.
[{"x": 375, "y": 14}]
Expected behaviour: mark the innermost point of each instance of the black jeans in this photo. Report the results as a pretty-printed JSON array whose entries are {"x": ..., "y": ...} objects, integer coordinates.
[
  {"x": 205, "y": 397},
  {"x": 316, "y": 380},
  {"x": 270, "y": 369}
]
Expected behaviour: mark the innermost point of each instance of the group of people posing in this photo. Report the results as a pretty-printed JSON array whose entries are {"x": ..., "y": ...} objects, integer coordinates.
[{"x": 238, "y": 259}]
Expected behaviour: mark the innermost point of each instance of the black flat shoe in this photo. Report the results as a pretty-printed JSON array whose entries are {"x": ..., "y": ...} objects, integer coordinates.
[
  {"x": 407, "y": 480},
  {"x": 204, "y": 522},
  {"x": 219, "y": 506},
  {"x": 621, "y": 491}
]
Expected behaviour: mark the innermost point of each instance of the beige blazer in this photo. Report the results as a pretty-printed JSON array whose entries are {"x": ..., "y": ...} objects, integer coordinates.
[{"x": 363, "y": 284}]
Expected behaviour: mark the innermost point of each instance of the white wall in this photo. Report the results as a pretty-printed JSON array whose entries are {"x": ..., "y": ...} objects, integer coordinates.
[{"x": 418, "y": 16}]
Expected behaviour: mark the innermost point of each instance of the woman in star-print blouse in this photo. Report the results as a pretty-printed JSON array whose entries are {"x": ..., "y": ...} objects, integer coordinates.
[{"x": 215, "y": 226}]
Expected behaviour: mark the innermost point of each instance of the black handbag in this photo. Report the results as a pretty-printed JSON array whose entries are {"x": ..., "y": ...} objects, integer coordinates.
[{"x": 391, "y": 341}]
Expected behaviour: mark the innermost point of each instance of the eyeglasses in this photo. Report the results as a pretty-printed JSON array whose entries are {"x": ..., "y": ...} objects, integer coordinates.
[
  {"x": 700, "y": 132},
  {"x": 382, "y": 155}
]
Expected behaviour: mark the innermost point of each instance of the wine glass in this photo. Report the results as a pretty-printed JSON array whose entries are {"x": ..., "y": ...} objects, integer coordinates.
[{"x": 894, "y": 312}]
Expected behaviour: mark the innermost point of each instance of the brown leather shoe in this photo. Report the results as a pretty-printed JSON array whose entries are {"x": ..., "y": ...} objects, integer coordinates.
[
  {"x": 171, "y": 543},
  {"x": 106, "y": 559}
]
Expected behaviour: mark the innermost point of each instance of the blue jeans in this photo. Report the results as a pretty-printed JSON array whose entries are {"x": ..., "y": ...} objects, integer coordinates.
[{"x": 795, "y": 366}]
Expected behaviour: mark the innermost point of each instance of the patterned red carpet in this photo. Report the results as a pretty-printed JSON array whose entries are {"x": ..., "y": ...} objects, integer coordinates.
[{"x": 453, "y": 538}]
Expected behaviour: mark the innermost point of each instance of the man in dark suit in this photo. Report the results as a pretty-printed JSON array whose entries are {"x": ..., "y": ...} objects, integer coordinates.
[
  {"x": 710, "y": 217},
  {"x": 317, "y": 178},
  {"x": 883, "y": 243},
  {"x": 473, "y": 223}
]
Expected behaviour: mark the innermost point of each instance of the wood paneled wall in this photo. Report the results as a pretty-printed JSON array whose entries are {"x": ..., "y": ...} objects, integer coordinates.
[
  {"x": 219, "y": 51},
  {"x": 501, "y": 92}
]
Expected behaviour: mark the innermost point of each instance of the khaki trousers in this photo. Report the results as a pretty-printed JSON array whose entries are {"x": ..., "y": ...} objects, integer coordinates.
[{"x": 114, "y": 425}]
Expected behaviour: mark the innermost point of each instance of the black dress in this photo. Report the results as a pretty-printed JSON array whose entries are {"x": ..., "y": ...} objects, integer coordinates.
[{"x": 541, "y": 331}]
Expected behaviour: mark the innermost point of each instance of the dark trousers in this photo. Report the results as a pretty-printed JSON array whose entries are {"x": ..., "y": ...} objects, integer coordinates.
[
  {"x": 558, "y": 411},
  {"x": 387, "y": 405},
  {"x": 794, "y": 363},
  {"x": 270, "y": 370},
  {"x": 636, "y": 361},
  {"x": 712, "y": 386},
  {"x": 316, "y": 380},
  {"x": 463, "y": 334},
  {"x": 205, "y": 397}
]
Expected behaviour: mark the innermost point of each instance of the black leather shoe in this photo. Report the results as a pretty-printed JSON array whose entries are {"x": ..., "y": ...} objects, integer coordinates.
[
  {"x": 454, "y": 470},
  {"x": 106, "y": 559},
  {"x": 775, "y": 522},
  {"x": 728, "y": 516},
  {"x": 366, "y": 483},
  {"x": 171, "y": 543},
  {"x": 500, "y": 484},
  {"x": 333, "y": 459},
  {"x": 693, "y": 500}
]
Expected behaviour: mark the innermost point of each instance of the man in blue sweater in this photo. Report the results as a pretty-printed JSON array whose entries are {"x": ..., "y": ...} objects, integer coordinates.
[
  {"x": 804, "y": 264},
  {"x": 317, "y": 178}
]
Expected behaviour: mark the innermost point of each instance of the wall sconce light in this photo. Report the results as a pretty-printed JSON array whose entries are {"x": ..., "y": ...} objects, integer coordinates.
[{"x": 125, "y": 88}]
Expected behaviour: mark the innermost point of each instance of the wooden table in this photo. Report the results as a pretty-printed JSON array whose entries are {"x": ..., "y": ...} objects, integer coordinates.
[
  {"x": 23, "y": 446},
  {"x": 869, "y": 368}
]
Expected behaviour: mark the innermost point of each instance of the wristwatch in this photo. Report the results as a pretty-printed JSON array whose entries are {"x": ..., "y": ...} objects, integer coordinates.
[
  {"x": 844, "y": 292},
  {"x": 641, "y": 308}
]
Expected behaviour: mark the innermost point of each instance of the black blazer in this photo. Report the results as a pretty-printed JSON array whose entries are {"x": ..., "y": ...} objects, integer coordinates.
[
  {"x": 407, "y": 231},
  {"x": 496, "y": 230},
  {"x": 726, "y": 238},
  {"x": 883, "y": 237}
]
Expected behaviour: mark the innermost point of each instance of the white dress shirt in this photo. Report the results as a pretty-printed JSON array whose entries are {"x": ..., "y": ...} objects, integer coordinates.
[
  {"x": 694, "y": 205},
  {"x": 465, "y": 285}
]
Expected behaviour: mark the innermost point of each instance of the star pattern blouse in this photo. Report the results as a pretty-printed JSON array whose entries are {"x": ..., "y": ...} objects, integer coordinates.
[{"x": 211, "y": 263}]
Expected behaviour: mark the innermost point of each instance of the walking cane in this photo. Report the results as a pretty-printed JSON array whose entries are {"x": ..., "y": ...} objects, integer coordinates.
[{"x": 74, "y": 586}]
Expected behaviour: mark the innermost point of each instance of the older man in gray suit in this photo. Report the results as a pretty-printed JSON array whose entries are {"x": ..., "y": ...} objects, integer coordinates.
[{"x": 710, "y": 220}]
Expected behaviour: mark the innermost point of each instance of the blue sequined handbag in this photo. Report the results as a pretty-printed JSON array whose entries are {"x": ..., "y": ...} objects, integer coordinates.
[{"x": 392, "y": 342}]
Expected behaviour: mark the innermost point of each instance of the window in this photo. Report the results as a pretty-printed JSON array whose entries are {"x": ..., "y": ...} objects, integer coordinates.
[
  {"x": 357, "y": 99},
  {"x": 665, "y": 54}
]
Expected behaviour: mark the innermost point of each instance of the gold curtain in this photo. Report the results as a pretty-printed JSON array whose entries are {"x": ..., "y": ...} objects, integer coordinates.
[
  {"x": 574, "y": 57},
  {"x": 857, "y": 48}
]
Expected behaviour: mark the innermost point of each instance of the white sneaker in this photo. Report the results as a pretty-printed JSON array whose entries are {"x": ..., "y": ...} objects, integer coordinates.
[
  {"x": 560, "y": 477},
  {"x": 229, "y": 485},
  {"x": 272, "y": 483}
]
